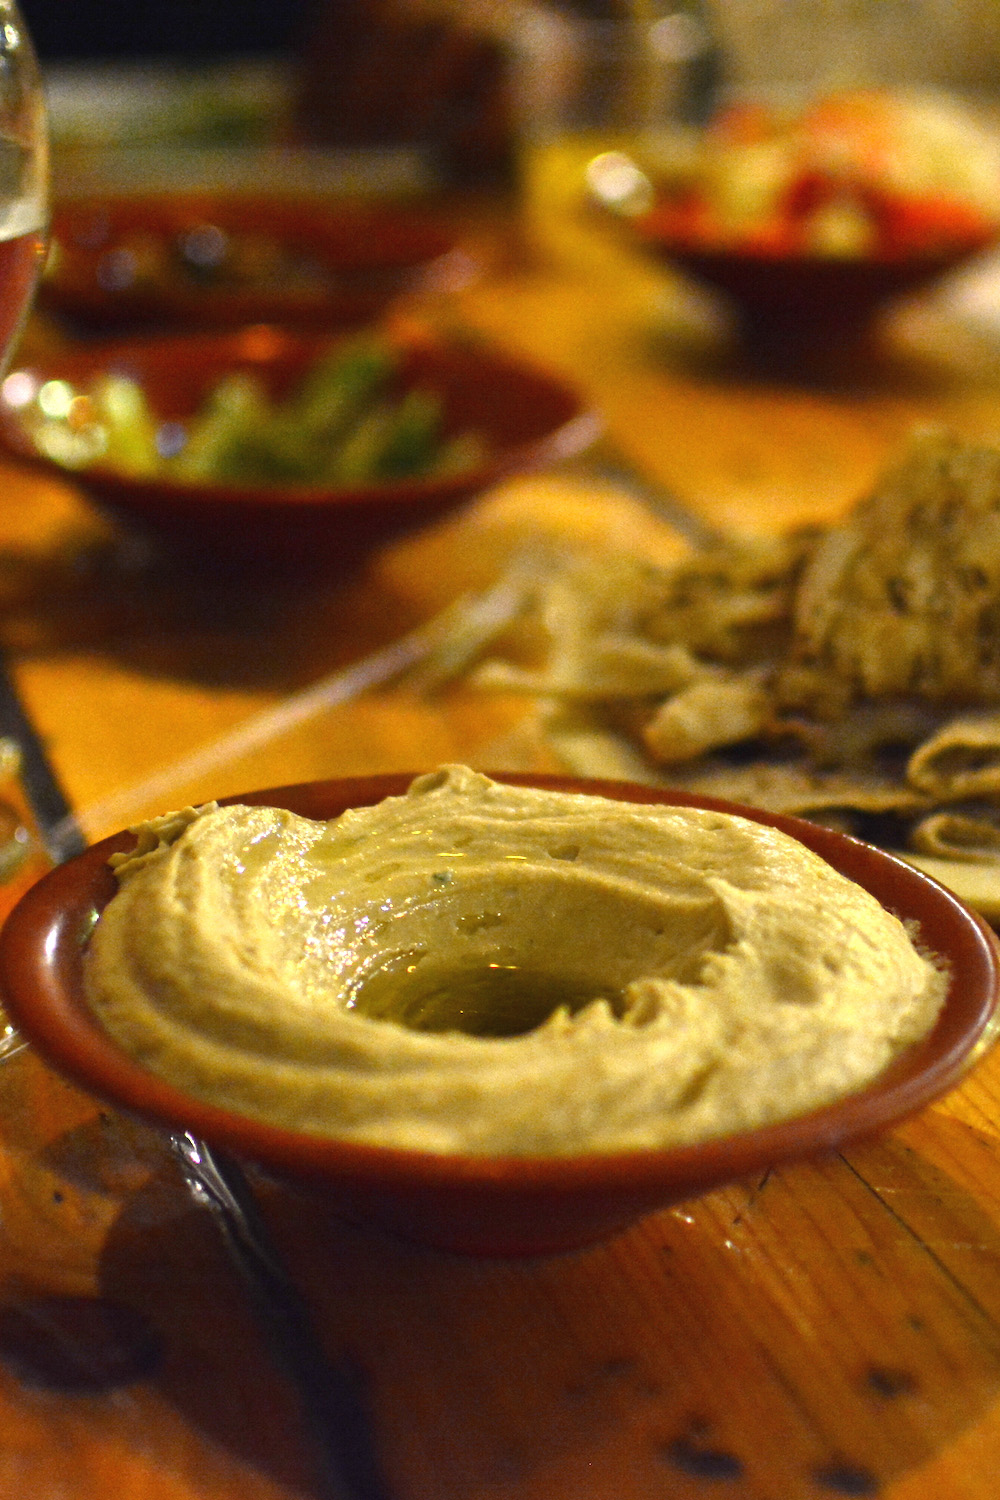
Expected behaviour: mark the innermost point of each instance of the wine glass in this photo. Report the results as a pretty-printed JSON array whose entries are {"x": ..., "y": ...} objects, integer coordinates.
[
  {"x": 23, "y": 175},
  {"x": 23, "y": 237}
]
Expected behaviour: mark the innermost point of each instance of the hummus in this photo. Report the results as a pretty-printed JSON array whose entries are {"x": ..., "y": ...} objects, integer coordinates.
[{"x": 481, "y": 968}]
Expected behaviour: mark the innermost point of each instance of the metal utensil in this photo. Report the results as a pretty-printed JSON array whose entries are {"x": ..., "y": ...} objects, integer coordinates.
[{"x": 330, "y": 1393}]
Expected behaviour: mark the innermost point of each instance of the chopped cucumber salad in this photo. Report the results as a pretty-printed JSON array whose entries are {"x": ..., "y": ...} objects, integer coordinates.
[{"x": 345, "y": 423}]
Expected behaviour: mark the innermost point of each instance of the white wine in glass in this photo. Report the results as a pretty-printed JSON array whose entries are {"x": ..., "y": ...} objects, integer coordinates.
[{"x": 23, "y": 175}]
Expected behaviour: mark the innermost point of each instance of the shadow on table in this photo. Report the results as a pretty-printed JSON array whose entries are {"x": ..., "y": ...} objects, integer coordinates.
[
  {"x": 171, "y": 617},
  {"x": 760, "y": 1337}
]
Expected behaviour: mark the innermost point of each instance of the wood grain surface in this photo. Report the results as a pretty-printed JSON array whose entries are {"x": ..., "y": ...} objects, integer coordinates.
[{"x": 830, "y": 1330}]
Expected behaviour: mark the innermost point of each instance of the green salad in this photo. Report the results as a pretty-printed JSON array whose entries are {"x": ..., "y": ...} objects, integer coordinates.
[{"x": 346, "y": 422}]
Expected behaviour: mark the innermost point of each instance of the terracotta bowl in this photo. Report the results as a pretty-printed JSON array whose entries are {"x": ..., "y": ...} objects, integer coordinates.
[
  {"x": 222, "y": 260},
  {"x": 795, "y": 302},
  {"x": 495, "y": 1205},
  {"x": 526, "y": 417}
]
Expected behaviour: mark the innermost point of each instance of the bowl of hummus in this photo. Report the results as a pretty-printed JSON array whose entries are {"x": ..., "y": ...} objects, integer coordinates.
[{"x": 500, "y": 1014}]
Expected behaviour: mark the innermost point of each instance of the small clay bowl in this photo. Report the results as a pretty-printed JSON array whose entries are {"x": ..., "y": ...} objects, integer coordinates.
[
  {"x": 525, "y": 416},
  {"x": 175, "y": 260},
  {"x": 504, "y": 1205},
  {"x": 791, "y": 304}
]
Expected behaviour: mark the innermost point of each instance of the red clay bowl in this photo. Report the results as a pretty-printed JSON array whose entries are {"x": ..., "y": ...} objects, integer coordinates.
[
  {"x": 495, "y": 1205},
  {"x": 526, "y": 417},
  {"x": 223, "y": 260},
  {"x": 803, "y": 301}
]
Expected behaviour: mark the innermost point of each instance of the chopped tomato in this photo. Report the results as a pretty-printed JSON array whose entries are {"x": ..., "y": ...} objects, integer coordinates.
[{"x": 910, "y": 226}]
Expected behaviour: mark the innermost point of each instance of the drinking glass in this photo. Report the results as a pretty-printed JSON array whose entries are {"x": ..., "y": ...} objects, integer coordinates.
[
  {"x": 590, "y": 91},
  {"x": 23, "y": 228},
  {"x": 23, "y": 175}
]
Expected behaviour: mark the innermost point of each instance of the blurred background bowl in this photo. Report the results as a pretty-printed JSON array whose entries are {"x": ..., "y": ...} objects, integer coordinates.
[
  {"x": 812, "y": 167},
  {"x": 803, "y": 302},
  {"x": 523, "y": 417},
  {"x": 481, "y": 1204},
  {"x": 190, "y": 259}
]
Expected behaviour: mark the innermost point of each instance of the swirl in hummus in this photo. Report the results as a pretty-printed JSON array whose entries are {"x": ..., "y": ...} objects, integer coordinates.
[{"x": 483, "y": 968}]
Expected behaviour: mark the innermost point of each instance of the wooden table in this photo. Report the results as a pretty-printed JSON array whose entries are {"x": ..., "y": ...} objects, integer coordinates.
[{"x": 828, "y": 1330}]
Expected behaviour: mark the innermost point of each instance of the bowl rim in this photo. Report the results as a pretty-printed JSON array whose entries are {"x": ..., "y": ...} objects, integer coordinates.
[
  {"x": 310, "y": 207},
  {"x": 43, "y": 938},
  {"x": 580, "y": 426}
]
